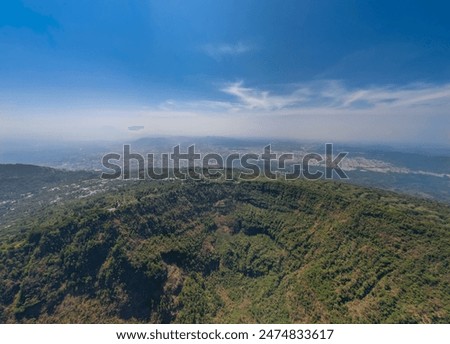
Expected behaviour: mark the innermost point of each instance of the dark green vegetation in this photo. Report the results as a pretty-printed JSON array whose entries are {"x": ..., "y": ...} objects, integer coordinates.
[
  {"x": 26, "y": 189},
  {"x": 260, "y": 251},
  {"x": 20, "y": 179}
]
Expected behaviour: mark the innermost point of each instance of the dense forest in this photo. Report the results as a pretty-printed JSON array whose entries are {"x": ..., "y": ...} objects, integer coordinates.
[{"x": 230, "y": 252}]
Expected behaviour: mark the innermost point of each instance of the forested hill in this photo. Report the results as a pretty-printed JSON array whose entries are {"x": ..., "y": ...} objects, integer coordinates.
[
  {"x": 25, "y": 190},
  {"x": 18, "y": 180},
  {"x": 33, "y": 177},
  {"x": 260, "y": 251}
]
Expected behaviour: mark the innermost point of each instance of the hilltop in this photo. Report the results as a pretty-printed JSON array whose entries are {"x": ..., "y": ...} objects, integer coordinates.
[{"x": 234, "y": 252}]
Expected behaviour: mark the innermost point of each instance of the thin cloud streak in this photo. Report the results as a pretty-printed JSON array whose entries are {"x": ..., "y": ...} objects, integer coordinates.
[
  {"x": 256, "y": 99},
  {"x": 218, "y": 51},
  {"x": 331, "y": 94}
]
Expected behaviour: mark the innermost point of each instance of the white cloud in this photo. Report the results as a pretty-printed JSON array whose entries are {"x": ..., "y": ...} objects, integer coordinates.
[
  {"x": 256, "y": 99},
  {"x": 323, "y": 110},
  {"x": 334, "y": 95},
  {"x": 409, "y": 96}
]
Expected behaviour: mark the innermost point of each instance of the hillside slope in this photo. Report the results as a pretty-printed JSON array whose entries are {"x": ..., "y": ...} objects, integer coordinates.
[
  {"x": 268, "y": 252},
  {"x": 27, "y": 189}
]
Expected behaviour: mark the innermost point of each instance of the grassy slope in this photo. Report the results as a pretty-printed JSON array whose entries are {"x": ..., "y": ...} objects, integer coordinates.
[{"x": 270, "y": 252}]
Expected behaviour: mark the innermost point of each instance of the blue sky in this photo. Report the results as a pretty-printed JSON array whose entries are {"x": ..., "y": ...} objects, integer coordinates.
[{"x": 376, "y": 71}]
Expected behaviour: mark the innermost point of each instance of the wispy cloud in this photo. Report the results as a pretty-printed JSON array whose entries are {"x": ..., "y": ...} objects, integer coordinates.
[
  {"x": 322, "y": 110},
  {"x": 334, "y": 95},
  {"x": 416, "y": 95},
  {"x": 252, "y": 98},
  {"x": 218, "y": 51}
]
